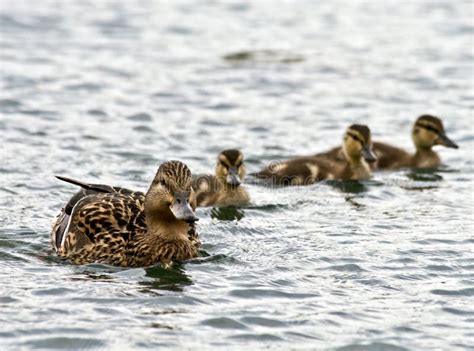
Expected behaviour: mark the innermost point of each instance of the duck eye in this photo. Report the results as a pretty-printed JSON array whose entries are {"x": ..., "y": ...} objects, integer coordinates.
[
  {"x": 356, "y": 138},
  {"x": 162, "y": 182}
]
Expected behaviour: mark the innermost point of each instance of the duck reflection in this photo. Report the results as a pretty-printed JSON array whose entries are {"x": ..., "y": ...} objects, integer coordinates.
[
  {"x": 421, "y": 179},
  {"x": 424, "y": 175},
  {"x": 227, "y": 213},
  {"x": 349, "y": 186},
  {"x": 172, "y": 278}
]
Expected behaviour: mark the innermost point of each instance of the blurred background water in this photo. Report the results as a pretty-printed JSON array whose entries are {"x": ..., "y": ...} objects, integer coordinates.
[{"x": 105, "y": 91}]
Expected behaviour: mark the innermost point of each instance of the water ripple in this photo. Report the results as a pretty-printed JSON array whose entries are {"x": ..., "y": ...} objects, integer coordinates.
[{"x": 105, "y": 91}]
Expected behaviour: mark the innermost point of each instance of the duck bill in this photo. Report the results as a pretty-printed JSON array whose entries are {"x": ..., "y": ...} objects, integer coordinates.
[
  {"x": 445, "y": 141},
  {"x": 182, "y": 210},
  {"x": 368, "y": 154},
  {"x": 233, "y": 177}
]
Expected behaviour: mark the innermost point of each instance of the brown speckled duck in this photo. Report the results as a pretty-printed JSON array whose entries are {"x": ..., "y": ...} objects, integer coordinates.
[
  {"x": 357, "y": 152},
  {"x": 224, "y": 188},
  {"x": 428, "y": 131},
  {"x": 117, "y": 226}
]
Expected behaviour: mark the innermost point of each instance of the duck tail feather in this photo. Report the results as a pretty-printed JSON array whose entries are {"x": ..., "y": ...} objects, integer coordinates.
[
  {"x": 96, "y": 187},
  {"x": 74, "y": 181}
]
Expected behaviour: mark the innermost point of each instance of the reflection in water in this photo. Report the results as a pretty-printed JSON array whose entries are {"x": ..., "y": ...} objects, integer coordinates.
[
  {"x": 95, "y": 272},
  {"x": 351, "y": 199},
  {"x": 86, "y": 276},
  {"x": 269, "y": 207},
  {"x": 422, "y": 179},
  {"x": 212, "y": 258},
  {"x": 227, "y": 213},
  {"x": 424, "y": 175},
  {"x": 348, "y": 186},
  {"x": 418, "y": 187},
  {"x": 173, "y": 278}
]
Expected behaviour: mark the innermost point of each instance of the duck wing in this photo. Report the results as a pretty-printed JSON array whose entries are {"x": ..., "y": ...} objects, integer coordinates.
[
  {"x": 102, "y": 215},
  {"x": 334, "y": 154},
  {"x": 297, "y": 171},
  {"x": 389, "y": 156},
  {"x": 63, "y": 222}
]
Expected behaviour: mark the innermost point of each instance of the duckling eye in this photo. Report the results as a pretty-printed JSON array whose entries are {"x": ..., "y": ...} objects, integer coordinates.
[
  {"x": 223, "y": 164},
  {"x": 238, "y": 165},
  {"x": 163, "y": 183},
  {"x": 431, "y": 129},
  {"x": 428, "y": 127}
]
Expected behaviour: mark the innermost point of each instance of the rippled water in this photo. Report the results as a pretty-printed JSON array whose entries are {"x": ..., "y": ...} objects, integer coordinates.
[{"x": 105, "y": 91}]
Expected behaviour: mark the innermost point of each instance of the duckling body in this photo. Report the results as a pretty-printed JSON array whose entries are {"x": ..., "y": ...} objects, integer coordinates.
[
  {"x": 384, "y": 153},
  {"x": 392, "y": 157},
  {"x": 224, "y": 188},
  {"x": 128, "y": 228},
  {"x": 213, "y": 192},
  {"x": 309, "y": 170},
  {"x": 428, "y": 131},
  {"x": 353, "y": 165}
]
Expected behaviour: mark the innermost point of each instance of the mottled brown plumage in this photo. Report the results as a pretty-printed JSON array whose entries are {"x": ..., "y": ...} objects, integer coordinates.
[
  {"x": 128, "y": 228},
  {"x": 427, "y": 132},
  {"x": 356, "y": 152},
  {"x": 224, "y": 188}
]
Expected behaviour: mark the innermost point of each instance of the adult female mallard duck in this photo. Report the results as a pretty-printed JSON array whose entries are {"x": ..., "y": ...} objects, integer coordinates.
[
  {"x": 128, "y": 228},
  {"x": 427, "y": 132},
  {"x": 224, "y": 188},
  {"x": 357, "y": 152}
]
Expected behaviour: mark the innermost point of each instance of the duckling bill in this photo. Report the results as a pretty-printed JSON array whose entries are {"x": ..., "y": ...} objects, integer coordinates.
[
  {"x": 224, "y": 188},
  {"x": 357, "y": 154},
  {"x": 127, "y": 228}
]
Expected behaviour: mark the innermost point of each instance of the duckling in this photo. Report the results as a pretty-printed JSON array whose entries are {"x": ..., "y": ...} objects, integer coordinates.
[
  {"x": 357, "y": 152},
  {"x": 117, "y": 226},
  {"x": 427, "y": 132},
  {"x": 224, "y": 188}
]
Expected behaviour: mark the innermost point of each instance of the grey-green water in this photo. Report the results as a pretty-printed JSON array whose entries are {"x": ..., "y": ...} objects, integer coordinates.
[{"x": 105, "y": 91}]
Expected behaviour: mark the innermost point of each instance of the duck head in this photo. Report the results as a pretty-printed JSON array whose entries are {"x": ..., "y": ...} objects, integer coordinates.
[
  {"x": 358, "y": 144},
  {"x": 428, "y": 131},
  {"x": 230, "y": 167},
  {"x": 170, "y": 194}
]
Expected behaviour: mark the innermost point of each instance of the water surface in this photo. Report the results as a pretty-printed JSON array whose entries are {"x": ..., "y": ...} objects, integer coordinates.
[{"x": 106, "y": 91}]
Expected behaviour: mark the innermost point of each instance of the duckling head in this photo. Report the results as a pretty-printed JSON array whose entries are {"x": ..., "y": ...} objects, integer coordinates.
[
  {"x": 428, "y": 131},
  {"x": 230, "y": 167},
  {"x": 171, "y": 194},
  {"x": 358, "y": 144}
]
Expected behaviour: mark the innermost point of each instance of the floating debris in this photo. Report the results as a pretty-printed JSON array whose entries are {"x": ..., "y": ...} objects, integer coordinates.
[{"x": 264, "y": 56}]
